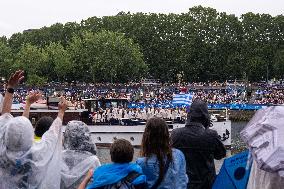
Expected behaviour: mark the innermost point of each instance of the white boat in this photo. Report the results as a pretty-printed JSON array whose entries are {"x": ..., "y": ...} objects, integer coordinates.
[{"x": 104, "y": 135}]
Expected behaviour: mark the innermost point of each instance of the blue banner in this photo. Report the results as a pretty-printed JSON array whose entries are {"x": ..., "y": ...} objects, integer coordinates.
[{"x": 210, "y": 106}]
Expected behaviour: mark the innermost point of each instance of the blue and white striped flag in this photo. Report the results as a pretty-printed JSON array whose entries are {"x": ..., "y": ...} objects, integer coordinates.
[{"x": 185, "y": 99}]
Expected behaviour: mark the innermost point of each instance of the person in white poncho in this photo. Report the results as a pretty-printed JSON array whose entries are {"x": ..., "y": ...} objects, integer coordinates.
[
  {"x": 79, "y": 154},
  {"x": 24, "y": 164},
  {"x": 1, "y": 102},
  {"x": 264, "y": 137}
]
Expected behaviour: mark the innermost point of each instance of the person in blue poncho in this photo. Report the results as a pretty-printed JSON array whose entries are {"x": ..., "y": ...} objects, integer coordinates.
[{"x": 119, "y": 173}]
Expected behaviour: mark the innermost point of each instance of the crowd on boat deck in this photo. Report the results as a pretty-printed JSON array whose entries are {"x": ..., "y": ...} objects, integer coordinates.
[
  {"x": 124, "y": 116},
  {"x": 211, "y": 92},
  {"x": 45, "y": 158}
]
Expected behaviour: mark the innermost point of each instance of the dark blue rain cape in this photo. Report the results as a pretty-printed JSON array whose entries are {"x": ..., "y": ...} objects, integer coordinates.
[
  {"x": 234, "y": 173},
  {"x": 113, "y": 173}
]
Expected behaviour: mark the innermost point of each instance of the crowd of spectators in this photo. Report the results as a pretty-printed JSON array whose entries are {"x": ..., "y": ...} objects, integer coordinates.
[
  {"x": 272, "y": 96},
  {"x": 183, "y": 159},
  {"x": 156, "y": 93},
  {"x": 69, "y": 161}
]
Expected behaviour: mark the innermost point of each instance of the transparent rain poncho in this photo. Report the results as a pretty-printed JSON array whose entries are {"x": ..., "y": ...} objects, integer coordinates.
[
  {"x": 260, "y": 179},
  {"x": 1, "y": 102},
  {"x": 264, "y": 135},
  {"x": 78, "y": 154},
  {"x": 24, "y": 164}
]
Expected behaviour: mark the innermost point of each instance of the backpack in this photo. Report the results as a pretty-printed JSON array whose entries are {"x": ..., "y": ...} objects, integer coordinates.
[{"x": 125, "y": 183}]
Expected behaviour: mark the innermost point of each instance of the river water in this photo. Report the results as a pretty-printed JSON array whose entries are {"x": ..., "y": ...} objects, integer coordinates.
[{"x": 237, "y": 146}]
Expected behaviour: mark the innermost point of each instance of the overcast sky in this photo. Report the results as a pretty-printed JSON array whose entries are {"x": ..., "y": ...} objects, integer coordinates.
[{"x": 19, "y": 15}]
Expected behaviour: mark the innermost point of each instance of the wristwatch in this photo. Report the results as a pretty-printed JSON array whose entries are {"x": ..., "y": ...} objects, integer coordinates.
[{"x": 10, "y": 90}]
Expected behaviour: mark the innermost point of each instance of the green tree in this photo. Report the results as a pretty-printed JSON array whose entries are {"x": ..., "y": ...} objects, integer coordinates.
[
  {"x": 6, "y": 59},
  {"x": 59, "y": 62},
  {"x": 202, "y": 44},
  {"x": 34, "y": 61},
  {"x": 106, "y": 56},
  {"x": 279, "y": 64},
  {"x": 259, "y": 44},
  {"x": 36, "y": 81}
]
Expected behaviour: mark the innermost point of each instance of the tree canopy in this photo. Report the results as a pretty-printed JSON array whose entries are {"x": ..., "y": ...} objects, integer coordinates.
[
  {"x": 201, "y": 45},
  {"x": 106, "y": 57}
]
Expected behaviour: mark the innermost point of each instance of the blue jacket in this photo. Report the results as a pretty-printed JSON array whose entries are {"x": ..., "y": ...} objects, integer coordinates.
[
  {"x": 113, "y": 173},
  {"x": 175, "y": 177}
]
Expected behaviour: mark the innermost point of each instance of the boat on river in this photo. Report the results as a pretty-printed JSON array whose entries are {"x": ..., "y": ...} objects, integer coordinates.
[{"x": 104, "y": 135}]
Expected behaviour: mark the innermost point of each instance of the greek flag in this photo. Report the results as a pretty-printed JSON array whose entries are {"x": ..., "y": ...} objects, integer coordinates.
[{"x": 185, "y": 99}]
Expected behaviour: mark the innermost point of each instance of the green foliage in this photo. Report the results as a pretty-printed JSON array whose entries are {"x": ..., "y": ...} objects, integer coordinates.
[
  {"x": 35, "y": 80},
  {"x": 6, "y": 59},
  {"x": 46, "y": 64},
  {"x": 59, "y": 62},
  {"x": 201, "y": 44},
  {"x": 106, "y": 56},
  {"x": 32, "y": 59},
  {"x": 279, "y": 64}
]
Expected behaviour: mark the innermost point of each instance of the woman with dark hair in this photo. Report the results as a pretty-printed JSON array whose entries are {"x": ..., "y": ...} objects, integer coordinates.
[{"x": 164, "y": 167}]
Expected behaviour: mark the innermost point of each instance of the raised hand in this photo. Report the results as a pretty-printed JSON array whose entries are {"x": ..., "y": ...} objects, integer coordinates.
[
  {"x": 13, "y": 81},
  {"x": 33, "y": 97},
  {"x": 15, "y": 78},
  {"x": 62, "y": 105}
]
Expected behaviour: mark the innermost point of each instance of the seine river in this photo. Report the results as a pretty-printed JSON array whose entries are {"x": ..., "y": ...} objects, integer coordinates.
[{"x": 237, "y": 146}]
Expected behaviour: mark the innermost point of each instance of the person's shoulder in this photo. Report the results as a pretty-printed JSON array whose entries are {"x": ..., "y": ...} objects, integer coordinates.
[
  {"x": 141, "y": 160},
  {"x": 94, "y": 159},
  {"x": 150, "y": 161},
  {"x": 177, "y": 153},
  {"x": 4, "y": 118},
  {"x": 107, "y": 165},
  {"x": 211, "y": 132},
  {"x": 178, "y": 130}
]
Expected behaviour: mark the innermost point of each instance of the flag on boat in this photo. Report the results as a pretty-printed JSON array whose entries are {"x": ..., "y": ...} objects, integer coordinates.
[{"x": 185, "y": 99}]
